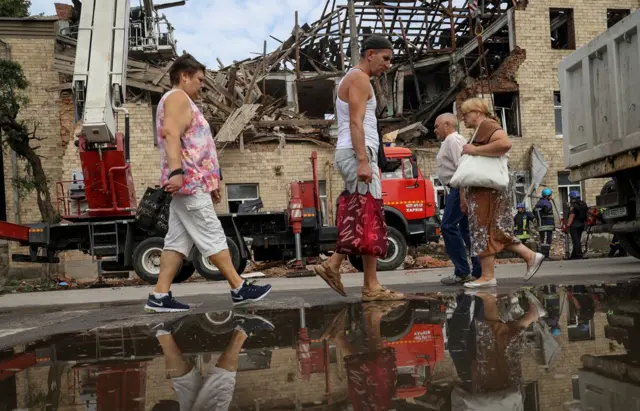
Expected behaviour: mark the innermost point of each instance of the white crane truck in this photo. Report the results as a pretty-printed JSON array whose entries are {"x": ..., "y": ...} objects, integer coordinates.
[{"x": 600, "y": 89}]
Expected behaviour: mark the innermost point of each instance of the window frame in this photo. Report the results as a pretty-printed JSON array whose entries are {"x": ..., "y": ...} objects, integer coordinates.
[
  {"x": 242, "y": 200},
  {"x": 524, "y": 175},
  {"x": 557, "y": 108},
  {"x": 564, "y": 188},
  {"x": 571, "y": 28},
  {"x": 503, "y": 113}
]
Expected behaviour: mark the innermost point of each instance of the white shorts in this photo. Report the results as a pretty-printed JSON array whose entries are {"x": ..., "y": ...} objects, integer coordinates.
[
  {"x": 347, "y": 165},
  {"x": 215, "y": 394},
  {"x": 193, "y": 220}
]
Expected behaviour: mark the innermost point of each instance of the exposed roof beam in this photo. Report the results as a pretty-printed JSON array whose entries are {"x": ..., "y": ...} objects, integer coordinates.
[{"x": 464, "y": 50}]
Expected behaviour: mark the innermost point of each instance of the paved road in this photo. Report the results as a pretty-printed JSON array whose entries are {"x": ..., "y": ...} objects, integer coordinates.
[{"x": 26, "y": 317}]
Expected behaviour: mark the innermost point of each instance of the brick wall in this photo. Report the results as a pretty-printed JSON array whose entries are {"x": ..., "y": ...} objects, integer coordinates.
[
  {"x": 538, "y": 78},
  {"x": 35, "y": 55},
  {"x": 274, "y": 169}
]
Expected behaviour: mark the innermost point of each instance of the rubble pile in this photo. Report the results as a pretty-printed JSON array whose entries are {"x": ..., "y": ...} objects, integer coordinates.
[
  {"x": 233, "y": 100},
  {"x": 242, "y": 105}
]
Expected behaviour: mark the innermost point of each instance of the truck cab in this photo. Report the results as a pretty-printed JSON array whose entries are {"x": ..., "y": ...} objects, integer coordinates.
[{"x": 409, "y": 198}]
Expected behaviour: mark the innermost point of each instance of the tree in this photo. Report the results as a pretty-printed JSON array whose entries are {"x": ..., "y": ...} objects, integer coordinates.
[
  {"x": 14, "y": 8},
  {"x": 18, "y": 135}
]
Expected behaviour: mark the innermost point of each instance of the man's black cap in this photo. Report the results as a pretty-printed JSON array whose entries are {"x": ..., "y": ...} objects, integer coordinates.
[{"x": 376, "y": 42}]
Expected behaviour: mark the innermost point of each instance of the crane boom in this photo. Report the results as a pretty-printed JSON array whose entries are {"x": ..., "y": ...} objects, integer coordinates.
[
  {"x": 99, "y": 78},
  {"x": 109, "y": 32}
]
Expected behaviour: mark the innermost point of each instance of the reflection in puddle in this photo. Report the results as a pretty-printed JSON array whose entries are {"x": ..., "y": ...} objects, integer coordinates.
[{"x": 545, "y": 348}]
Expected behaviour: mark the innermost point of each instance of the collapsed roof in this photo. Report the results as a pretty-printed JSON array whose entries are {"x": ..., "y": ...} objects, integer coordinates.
[{"x": 441, "y": 47}]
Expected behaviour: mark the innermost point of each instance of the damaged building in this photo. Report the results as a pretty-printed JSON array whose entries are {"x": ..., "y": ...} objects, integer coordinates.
[{"x": 271, "y": 111}]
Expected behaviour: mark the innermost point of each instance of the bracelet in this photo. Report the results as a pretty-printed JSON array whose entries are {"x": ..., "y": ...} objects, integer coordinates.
[{"x": 176, "y": 172}]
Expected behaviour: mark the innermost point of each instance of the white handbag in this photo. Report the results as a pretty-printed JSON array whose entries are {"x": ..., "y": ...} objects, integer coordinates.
[{"x": 482, "y": 171}]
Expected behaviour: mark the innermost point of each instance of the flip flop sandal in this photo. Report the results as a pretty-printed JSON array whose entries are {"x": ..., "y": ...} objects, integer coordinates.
[
  {"x": 336, "y": 326},
  {"x": 383, "y": 294},
  {"x": 324, "y": 271}
]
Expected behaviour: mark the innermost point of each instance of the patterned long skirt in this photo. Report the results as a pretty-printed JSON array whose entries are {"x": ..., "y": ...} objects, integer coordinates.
[{"x": 491, "y": 215}]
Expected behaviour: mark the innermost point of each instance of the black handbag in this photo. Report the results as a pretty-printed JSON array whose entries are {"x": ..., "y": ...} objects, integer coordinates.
[{"x": 152, "y": 214}]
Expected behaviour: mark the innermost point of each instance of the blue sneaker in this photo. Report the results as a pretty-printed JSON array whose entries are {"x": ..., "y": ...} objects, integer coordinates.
[
  {"x": 168, "y": 327},
  {"x": 253, "y": 324},
  {"x": 250, "y": 293},
  {"x": 166, "y": 304}
]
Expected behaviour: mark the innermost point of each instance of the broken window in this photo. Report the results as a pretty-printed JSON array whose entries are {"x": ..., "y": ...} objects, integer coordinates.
[
  {"x": 557, "y": 107},
  {"x": 521, "y": 187},
  {"x": 615, "y": 15},
  {"x": 563, "y": 34},
  {"x": 240, "y": 193},
  {"x": 507, "y": 109},
  {"x": 410, "y": 98},
  {"x": 315, "y": 98},
  {"x": 276, "y": 88}
]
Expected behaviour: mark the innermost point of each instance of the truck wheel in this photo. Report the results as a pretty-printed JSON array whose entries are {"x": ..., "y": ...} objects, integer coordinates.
[
  {"x": 630, "y": 244},
  {"x": 209, "y": 271},
  {"x": 394, "y": 258},
  {"x": 146, "y": 262},
  {"x": 216, "y": 323}
]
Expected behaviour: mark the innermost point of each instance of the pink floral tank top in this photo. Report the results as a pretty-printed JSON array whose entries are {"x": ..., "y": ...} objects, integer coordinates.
[{"x": 199, "y": 156}]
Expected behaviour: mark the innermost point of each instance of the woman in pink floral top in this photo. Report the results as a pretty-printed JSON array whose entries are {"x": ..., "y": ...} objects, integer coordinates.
[{"x": 189, "y": 170}]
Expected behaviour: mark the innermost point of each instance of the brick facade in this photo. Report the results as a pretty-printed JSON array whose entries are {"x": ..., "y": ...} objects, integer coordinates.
[{"x": 537, "y": 78}]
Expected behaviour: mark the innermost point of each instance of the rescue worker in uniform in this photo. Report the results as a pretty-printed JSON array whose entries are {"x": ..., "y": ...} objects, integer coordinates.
[
  {"x": 521, "y": 222},
  {"x": 546, "y": 221},
  {"x": 577, "y": 223}
]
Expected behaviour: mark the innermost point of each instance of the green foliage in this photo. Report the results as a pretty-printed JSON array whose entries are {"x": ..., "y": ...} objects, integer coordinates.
[
  {"x": 14, "y": 8},
  {"x": 17, "y": 135},
  {"x": 13, "y": 86}
]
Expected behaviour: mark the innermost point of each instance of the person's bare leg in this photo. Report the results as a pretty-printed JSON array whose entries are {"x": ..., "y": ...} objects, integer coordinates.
[
  {"x": 335, "y": 261},
  {"x": 373, "y": 316},
  {"x": 372, "y": 290},
  {"x": 488, "y": 269},
  {"x": 229, "y": 358},
  {"x": 371, "y": 282},
  {"x": 223, "y": 261},
  {"x": 523, "y": 251},
  {"x": 170, "y": 262},
  {"x": 529, "y": 318},
  {"x": 175, "y": 364},
  {"x": 490, "y": 306}
]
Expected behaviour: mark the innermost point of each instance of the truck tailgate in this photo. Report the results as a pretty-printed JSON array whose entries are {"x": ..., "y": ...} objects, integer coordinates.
[{"x": 600, "y": 91}]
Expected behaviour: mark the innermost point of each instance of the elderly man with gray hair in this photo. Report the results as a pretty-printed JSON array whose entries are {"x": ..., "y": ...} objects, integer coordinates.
[{"x": 455, "y": 223}]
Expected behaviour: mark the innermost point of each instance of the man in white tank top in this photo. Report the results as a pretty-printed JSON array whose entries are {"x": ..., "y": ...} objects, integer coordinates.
[{"x": 357, "y": 154}]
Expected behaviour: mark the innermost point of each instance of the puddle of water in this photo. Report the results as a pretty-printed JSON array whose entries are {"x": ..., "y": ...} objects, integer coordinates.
[
  {"x": 533, "y": 349},
  {"x": 5, "y": 333}
]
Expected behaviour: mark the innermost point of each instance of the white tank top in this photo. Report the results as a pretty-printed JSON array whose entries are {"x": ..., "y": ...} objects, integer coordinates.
[{"x": 371, "y": 137}]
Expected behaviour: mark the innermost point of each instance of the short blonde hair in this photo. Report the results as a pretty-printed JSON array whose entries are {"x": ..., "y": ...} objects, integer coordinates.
[
  {"x": 475, "y": 104},
  {"x": 479, "y": 105}
]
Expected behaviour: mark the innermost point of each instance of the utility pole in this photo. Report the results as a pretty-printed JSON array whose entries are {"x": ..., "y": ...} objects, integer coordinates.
[{"x": 353, "y": 33}]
